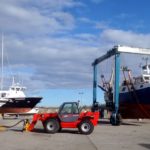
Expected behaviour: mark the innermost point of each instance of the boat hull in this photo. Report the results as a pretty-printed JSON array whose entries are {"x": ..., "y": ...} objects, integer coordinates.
[
  {"x": 19, "y": 105},
  {"x": 135, "y": 111},
  {"x": 135, "y": 104}
]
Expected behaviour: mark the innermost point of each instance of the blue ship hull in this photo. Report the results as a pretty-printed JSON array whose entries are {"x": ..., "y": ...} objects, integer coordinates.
[
  {"x": 141, "y": 96},
  {"x": 135, "y": 104}
]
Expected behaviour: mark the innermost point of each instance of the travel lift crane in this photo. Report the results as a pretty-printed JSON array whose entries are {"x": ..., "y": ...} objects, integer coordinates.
[{"x": 115, "y": 118}]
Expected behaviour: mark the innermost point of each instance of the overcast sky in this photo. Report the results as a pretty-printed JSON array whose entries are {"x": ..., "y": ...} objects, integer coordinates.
[{"x": 52, "y": 43}]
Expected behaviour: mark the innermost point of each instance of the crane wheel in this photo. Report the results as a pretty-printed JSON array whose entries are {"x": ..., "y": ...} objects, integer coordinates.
[{"x": 115, "y": 119}]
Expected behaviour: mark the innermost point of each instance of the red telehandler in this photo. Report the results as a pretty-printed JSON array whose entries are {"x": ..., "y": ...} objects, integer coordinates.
[{"x": 68, "y": 116}]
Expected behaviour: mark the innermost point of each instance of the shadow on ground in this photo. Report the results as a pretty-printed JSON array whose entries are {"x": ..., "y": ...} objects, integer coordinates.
[
  {"x": 145, "y": 145},
  {"x": 62, "y": 131},
  {"x": 106, "y": 122}
]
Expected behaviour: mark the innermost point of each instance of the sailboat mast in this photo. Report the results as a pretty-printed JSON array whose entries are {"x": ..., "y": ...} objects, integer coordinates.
[{"x": 2, "y": 64}]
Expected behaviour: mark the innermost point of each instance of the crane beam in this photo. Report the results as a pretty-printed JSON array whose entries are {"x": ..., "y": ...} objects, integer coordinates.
[
  {"x": 132, "y": 50},
  {"x": 121, "y": 49},
  {"x": 106, "y": 56}
]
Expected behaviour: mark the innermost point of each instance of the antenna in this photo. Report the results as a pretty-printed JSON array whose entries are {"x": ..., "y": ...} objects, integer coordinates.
[
  {"x": 13, "y": 81},
  {"x": 2, "y": 63}
]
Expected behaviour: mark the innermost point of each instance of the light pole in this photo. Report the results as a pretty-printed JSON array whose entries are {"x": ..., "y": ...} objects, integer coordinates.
[{"x": 80, "y": 97}]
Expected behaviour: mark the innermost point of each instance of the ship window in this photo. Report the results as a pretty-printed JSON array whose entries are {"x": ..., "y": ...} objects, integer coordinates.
[
  {"x": 124, "y": 88},
  {"x": 3, "y": 95},
  {"x": 17, "y": 89},
  {"x": 146, "y": 78},
  {"x": 144, "y": 67}
]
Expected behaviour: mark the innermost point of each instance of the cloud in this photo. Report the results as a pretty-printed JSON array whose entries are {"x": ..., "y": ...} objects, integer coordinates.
[
  {"x": 123, "y": 37},
  {"x": 36, "y": 44},
  {"x": 31, "y": 19},
  {"x": 53, "y": 62},
  {"x": 41, "y": 42},
  {"x": 102, "y": 25},
  {"x": 64, "y": 62},
  {"x": 124, "y": 16},
  {"x": 97, "y": 1}
]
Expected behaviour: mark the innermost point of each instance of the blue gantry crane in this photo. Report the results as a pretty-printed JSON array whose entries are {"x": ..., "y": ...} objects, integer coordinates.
[{"x": 115, "y": 118}]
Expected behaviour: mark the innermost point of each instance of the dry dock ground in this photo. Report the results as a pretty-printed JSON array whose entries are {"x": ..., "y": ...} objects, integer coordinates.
[{"x": 132, "y": 135}]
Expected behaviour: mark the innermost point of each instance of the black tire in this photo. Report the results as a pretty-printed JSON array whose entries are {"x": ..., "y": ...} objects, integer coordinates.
[
  {"x": 116, "y": 120},
  {"x": 51, "y": 125},
  {"x": 86, "y": 127},
  {"x": 60, "y": 129}
]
